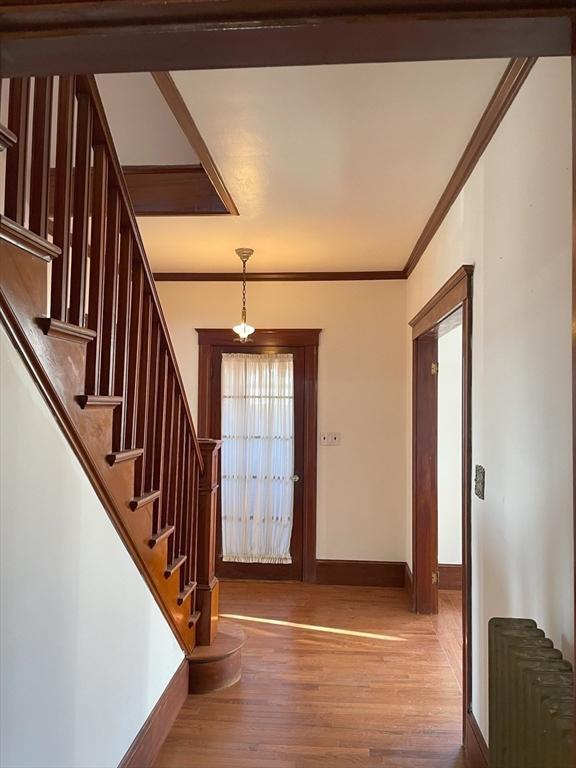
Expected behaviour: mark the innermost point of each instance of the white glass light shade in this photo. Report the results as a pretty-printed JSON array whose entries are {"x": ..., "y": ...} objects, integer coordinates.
[{"x": 243, "y": 330}]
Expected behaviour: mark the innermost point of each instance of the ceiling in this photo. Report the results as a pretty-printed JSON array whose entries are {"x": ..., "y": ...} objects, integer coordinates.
[
  {"x": 331, "y": 167},
  {"x": 142, "y": 126}
]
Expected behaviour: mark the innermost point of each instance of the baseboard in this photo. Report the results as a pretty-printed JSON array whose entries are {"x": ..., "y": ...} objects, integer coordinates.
[
  {"x": 145, "y": 748},
  {"x": 450, "y": 576},
  {"x": 360, "y": 573},
  {"x": 475, "y": 745},
  {"x": 408, "y": 581}
]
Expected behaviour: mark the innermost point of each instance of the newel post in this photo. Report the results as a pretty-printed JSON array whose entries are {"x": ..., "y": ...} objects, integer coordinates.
[{"x": 207, "y": 583}]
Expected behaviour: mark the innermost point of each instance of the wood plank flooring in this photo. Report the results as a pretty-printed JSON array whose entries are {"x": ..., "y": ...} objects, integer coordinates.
[{"x": 382, "y": 692}]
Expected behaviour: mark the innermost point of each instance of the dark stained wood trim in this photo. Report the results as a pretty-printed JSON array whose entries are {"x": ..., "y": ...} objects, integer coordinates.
[
  {"x": 450, "y": 576},
  {"x": 145, "y": 748},
  {"x": 361, "y": 573},
  {"x": 467, "y": 498},
  {"x": 19, "y": 274},
  {"x": 574, "y": 311},
  {"x": 179, "y": 109},
  {"x": 217, "y": 277},
  {"x": 69, "y": 331},
  {"x": 165, "y": 190},
  {"x": 306, "y": 339},
  {"x": 512, "y": 80},
  {"x": 424, "y": 473},
  {"x": 172, "y": 190},
  {"x": 475, "y": 745},
  {"x": 408, "y": 582},
  {"x": 146, "y": 498},
  {"x": 262, "y": 337},
  {"x": 7, "y": 137},
  {"x": 444, "y": 302},
  {"x": 218, "y": 665},
  {"x": 455, "y": 293},
  {"x": 17, "y": 235},
  {"x": 116, "y": 169},
  {"x": 84, "y": 36}
]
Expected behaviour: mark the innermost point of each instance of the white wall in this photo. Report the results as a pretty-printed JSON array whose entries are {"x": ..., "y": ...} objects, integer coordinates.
[
  {"x": 361, "y": 393},
  {"x": 85, "y": 651},
  {"x": 450, "y": 447},
  {"x": 513, "y": 221}
]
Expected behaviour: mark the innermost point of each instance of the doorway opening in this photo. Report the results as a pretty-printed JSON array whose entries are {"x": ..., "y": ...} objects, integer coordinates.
[
  {"x": 260, "y": 399},
  {"x": 449, "y": 489},
  {"x": 441, "y": 447}
]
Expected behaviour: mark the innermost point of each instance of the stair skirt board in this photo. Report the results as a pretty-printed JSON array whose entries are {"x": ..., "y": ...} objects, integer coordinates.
[
  {"x": 56, "y": 362},
  {"x": 148, "y": 742}
]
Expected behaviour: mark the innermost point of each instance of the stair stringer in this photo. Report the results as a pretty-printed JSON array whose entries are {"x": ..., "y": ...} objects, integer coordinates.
[{"x": 58, "y": 366}]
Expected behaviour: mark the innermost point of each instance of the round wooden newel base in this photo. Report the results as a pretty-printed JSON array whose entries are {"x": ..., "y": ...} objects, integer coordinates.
[{"x": 217, "y": 666}]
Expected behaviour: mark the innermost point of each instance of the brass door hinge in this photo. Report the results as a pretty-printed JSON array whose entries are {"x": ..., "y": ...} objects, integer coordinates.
[
  {"x": 434, "y": 369},
  {"x": 435, "y": 577}
]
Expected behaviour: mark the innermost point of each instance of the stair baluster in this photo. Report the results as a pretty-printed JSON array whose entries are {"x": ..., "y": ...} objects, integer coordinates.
[{"x": 109, "y": 368}]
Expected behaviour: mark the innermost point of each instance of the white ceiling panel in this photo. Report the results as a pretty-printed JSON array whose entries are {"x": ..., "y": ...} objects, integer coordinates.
[{"x": 331, "y": 167}]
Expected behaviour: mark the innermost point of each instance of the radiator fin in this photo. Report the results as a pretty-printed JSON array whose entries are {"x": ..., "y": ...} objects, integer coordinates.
[{"x": 531, "y": 690}]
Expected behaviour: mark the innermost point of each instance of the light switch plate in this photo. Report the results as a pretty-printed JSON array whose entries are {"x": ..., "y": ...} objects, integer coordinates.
[{"x": 479, "y": 481}]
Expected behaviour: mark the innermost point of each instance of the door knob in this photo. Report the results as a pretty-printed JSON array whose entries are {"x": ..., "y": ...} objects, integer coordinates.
[{"x": 295, "y": 478}]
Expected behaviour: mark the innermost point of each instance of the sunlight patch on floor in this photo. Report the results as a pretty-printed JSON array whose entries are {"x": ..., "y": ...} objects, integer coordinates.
[{"x": 315, "y": 628}]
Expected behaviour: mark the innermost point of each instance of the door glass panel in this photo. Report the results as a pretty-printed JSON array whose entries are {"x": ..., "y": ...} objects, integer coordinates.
[{"x": 257, "y": 457}]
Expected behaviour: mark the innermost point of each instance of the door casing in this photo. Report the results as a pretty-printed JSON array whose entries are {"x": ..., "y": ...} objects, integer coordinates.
[
  {"x": 456, "y": 293},
  {"x": 303, "y": 343}
]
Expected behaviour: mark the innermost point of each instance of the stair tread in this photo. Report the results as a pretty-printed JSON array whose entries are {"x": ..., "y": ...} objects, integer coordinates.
[
  {"x": 99, "y": 401},
  {"x": 188, "y": 589},
  {"x": 61, "y": 330},
  {"x": 162, "y": 534},
  {"x": 193, "y": 619},
  {"x": 174, "y": 565},
  {"x": 128, "y": 455},
  {"x": 146, "y": 498}
]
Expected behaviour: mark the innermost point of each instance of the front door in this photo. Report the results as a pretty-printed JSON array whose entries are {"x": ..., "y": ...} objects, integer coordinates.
[{"x": 261, "y": 399}]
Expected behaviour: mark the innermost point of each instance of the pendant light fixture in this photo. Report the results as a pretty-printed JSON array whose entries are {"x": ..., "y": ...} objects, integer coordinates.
[{"x": 243, "y": 329}]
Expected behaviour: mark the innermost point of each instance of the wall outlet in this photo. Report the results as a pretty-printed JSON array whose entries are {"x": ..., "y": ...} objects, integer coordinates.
[{"x": 334, "y": 438}]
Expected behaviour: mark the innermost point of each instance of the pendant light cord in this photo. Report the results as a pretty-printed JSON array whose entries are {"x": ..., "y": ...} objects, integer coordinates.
[{"x": 243, "y": 291}]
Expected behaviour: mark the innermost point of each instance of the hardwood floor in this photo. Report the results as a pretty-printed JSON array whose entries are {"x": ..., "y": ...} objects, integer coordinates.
[
  {"x": 382, "y": 691},
  {"x": 448, "y": 625}
]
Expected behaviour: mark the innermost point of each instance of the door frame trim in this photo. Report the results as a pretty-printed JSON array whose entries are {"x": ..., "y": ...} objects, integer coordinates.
[
  {"x": 455, "y": 293},
  {"x": 302, "y": 338}
]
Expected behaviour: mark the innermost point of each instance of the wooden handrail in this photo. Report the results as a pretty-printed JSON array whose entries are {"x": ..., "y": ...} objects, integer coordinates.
[{"x": 103, "y": 297}]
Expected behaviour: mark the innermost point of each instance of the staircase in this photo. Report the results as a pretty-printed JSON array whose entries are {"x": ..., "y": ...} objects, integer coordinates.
[{"x": 78, "y": 299}]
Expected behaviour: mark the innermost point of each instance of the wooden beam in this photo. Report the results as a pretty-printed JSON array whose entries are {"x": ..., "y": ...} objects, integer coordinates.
[
  {"x": 226, "y": 277},
  {"x": 186, "y": 122},
  {"x": 512, "y": 80},
  {"x": 172, "y": 190},
  {"x": 84, "y": 36}
]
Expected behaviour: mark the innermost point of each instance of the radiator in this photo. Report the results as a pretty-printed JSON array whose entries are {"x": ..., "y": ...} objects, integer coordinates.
[{"x": 531, "y": 698}]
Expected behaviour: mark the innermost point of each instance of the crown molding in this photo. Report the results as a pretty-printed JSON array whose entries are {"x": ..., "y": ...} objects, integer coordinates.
[
  {"x": 227, "y": 277},
  {"x": 510, "y": 83}
]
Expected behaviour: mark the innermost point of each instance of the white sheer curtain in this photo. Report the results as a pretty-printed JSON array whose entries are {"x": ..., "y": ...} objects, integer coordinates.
[{"x": 257, "y": 457}]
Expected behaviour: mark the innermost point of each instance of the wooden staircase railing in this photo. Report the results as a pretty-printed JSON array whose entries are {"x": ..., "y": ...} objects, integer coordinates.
[{"x": 78, "y": 298}]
